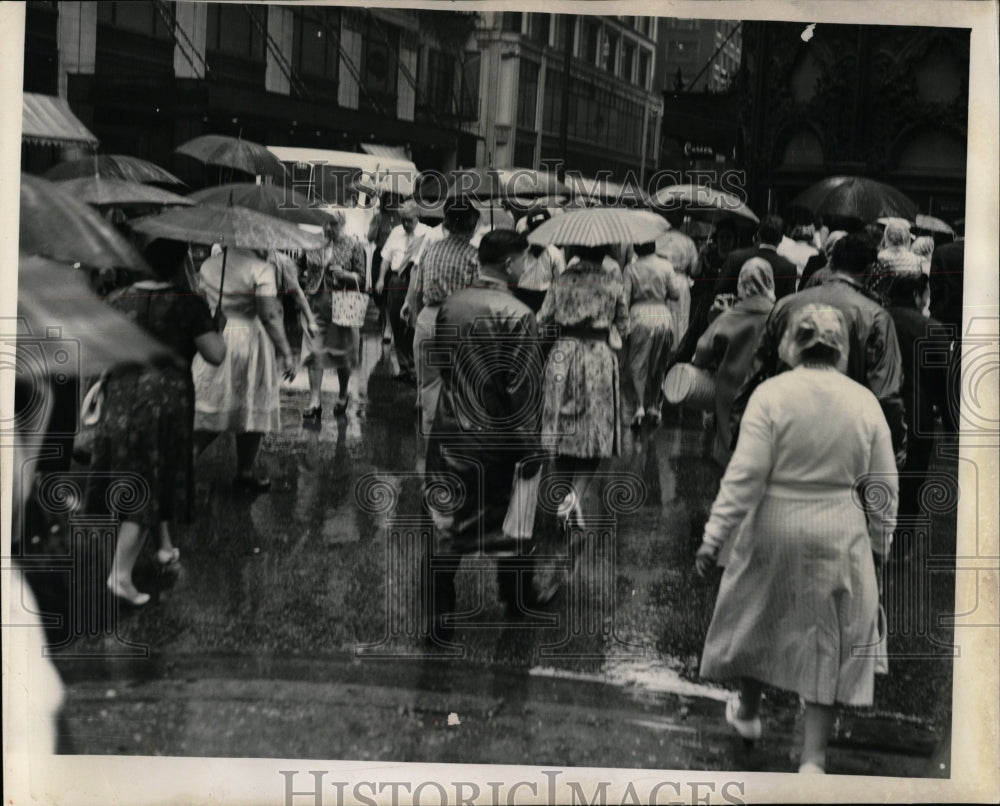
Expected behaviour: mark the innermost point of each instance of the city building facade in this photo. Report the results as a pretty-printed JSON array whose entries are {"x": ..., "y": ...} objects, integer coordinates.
[
  {"x": 697, "y": 55},
  {"x": 147, "y": 75},
  {"x": 886, "y": 102},
  {"x": 614, "y": 114}
]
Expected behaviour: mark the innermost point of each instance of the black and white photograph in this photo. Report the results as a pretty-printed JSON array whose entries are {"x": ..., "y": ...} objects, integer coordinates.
[{"x": 500, "y": 402}]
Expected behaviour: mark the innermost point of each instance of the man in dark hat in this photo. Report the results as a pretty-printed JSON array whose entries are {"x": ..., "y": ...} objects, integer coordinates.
[{"x": 769, "y": 235}]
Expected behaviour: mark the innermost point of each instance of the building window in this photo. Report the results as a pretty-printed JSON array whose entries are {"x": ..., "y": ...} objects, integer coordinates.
[
  {"x": 591, "y": 41},
  {"x": 643, "y": 78},
  {"x": 611, "y": 51},
  {"x": 540, "y": 24},
  {"x": 527, "y": 94},
  {"x": 140, "y": 16},
  {"x": 553, "y": 101},
  {"x": 565, "y": 26},
  {"x": 232, "y": 30},
  {"x": 682, "y": 52},
  {"x": 512, "y": 22},
  {"x": 628, "y": 61},
  {"x": 470, "y": 87},
  {"x": 314, "y": 45},
  {"x": 438, "y": 82},
  {"x": 379, "y": 49}
]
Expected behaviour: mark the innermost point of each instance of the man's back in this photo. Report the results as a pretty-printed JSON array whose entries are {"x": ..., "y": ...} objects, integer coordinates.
[{"x": 947, "y": 272}]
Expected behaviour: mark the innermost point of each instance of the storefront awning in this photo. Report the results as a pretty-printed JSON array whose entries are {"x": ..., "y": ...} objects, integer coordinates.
[
  {"x": 48, "y": 121},
  {"x": 392, "y": 152}
]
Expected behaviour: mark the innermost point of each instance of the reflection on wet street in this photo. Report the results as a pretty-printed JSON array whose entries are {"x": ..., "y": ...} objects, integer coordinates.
[{"x": 293, "y": 627}]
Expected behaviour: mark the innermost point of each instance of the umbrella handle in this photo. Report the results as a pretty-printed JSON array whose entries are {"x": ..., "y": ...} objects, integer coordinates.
[{"x": 222, "y": 282}]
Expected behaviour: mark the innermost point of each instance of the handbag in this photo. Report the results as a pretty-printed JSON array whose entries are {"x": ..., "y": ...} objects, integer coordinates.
[
  {"x": 348, "y": 308},
  {"x": 690, "y": 385},
  {"x": 519, "y": 522}
]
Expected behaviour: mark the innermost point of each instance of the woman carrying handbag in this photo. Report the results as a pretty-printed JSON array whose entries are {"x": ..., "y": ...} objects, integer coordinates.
[{"x": 332, "y": 278}]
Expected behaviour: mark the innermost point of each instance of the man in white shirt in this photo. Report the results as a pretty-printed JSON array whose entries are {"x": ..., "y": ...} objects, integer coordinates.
[
  {"x": 798, "y": 248},
  {"x": 401, "y": 248}
]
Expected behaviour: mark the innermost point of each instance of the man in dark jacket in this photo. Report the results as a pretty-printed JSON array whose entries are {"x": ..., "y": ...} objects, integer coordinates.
[
  {"x": 487, "y": 420},
  {"x": 947, "y": 275},
  {"x": 926, "y": 351},
  {"x": 768, "y": 237},
  {"x": 874, "y": 358}
]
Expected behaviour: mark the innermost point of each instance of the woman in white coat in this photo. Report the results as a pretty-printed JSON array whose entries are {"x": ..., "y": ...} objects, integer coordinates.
[{"x": 814, "y": 475}]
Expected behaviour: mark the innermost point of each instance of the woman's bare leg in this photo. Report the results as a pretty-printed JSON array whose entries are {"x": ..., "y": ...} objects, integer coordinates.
[
  {"x": 127, "y": 549},
  {"x": 315, "y": 386},
  {"x": 818, "y": 725},
  {"x": 247, "y": 448}
]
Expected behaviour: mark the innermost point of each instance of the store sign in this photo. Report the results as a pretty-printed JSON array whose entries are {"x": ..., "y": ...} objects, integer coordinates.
[{"x": 692, "y": 150}]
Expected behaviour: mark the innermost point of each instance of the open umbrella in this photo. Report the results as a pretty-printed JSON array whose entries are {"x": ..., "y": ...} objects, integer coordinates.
[
  {"x": 52, "y": 294},
  {"x": 113, "y": 166},
  {"x": 400, "y": 183},
  {"x": 56, "y": 225},
  {"x": 502, "y": 183},
  {"x": 929, "y": 223},
  {"x": 274, "y": 200},
  {"x": 233, "y": 152},
  {"x": 855, "y": 197},
  {"x": 489, "y": 210},
  {"x": 229, "y": 226},
  {"x": 101, "y": 192},
  {"x": 600, "y": 227},
  {"x": 700, "y": 201},
  {"x": 598, "y": 192}
]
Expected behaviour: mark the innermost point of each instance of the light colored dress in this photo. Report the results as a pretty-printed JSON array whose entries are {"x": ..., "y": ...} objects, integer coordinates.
[
  {"x": 649, "y": 282},
  {"x": 333, "y": 346},
  {"x": 682, "y": 253},
  {"x": 581, "y": 408},
  {"x": 241, "y": 394},
  {"x": 798, "y": 604}
]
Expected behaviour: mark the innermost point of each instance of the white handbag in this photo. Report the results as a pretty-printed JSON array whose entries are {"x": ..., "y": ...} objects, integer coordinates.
[
  {"x": 348, "y": 308},
  {"x": 520, "y": 519}
]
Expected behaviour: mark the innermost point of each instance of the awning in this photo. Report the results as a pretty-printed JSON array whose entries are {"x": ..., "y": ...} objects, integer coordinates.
[
  {"x": 49, "y": 121},
  {"x": 392, "y": 152}
]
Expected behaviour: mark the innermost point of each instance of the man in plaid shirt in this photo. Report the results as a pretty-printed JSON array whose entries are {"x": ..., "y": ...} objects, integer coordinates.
[{"x": 445, "y": 266}]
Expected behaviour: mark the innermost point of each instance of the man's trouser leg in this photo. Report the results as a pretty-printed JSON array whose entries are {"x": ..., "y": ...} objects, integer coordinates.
[
  {"x": 428, "y": 376},
  {"x": 402, "y": 334}
]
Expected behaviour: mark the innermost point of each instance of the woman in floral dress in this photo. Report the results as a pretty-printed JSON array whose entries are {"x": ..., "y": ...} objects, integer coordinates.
[
  {"x": 581, "y": 408},
  {"x": 143, "y": 448},
  {"x": 339, "y": 265}
]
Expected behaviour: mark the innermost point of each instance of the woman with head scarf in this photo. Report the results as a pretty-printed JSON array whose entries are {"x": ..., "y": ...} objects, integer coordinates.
[
  {"x": 923, "y": 247},
  {"x": 820, "y": 261},
  {"x": 813, "y": 483},
  {"x": 337, "y": 266},
  {"x": 727, "y": 347},
  {"x": 895, "y": 257}
]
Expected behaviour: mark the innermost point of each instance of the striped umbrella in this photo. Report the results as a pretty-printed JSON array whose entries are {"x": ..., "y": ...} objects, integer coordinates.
[
  {"x": 56, "y": 225},
  {"x": 228, "y": 226},
  {"x": 279, "y": 201},
  {"x": 50, "y": 294},
  {"x": 600, "y": 227},
  {"x": 929, "y": 223},
  {"x": 100, "y": 192},
  {"x": 699, "y": 201},
  {"x": 113, "y": 166}
]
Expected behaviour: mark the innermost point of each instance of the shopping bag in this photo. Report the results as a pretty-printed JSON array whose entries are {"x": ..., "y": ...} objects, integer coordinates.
[
  {"x": 348, "y": 306},
  {"x": 520, "y": 519},
  {"x": 690, "y": 385}
]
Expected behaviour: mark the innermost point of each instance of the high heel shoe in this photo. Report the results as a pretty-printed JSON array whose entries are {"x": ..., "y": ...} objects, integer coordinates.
[{"x": 340, "y": 409}]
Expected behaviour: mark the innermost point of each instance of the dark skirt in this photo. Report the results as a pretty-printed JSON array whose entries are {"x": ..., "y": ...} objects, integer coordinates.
[
  {"x": 333, "y": 346},
  {"x": 141, "y": 465}
]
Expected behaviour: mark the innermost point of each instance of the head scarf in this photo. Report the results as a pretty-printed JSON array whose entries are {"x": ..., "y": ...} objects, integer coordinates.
[
  {"x": 810, "y": 325},
  {"x": 923, "y": 246},
  {"x": 831, "y": 241},
  {"x": 756, "y": 279},
  {"x": 897, "y": 235}
]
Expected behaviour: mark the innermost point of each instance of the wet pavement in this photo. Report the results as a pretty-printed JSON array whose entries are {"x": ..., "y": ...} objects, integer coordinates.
[{"x": 291, "y": 629}]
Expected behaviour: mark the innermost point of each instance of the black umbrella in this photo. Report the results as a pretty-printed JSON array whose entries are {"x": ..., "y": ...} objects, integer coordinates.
[
  {"x": 113, "y": 166},
  {"x": 233, "y": 152},
  {"x": 274, "y": 200},
  {"x": 58, "y": 226},
  {"x": 856, "y": 197}
]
